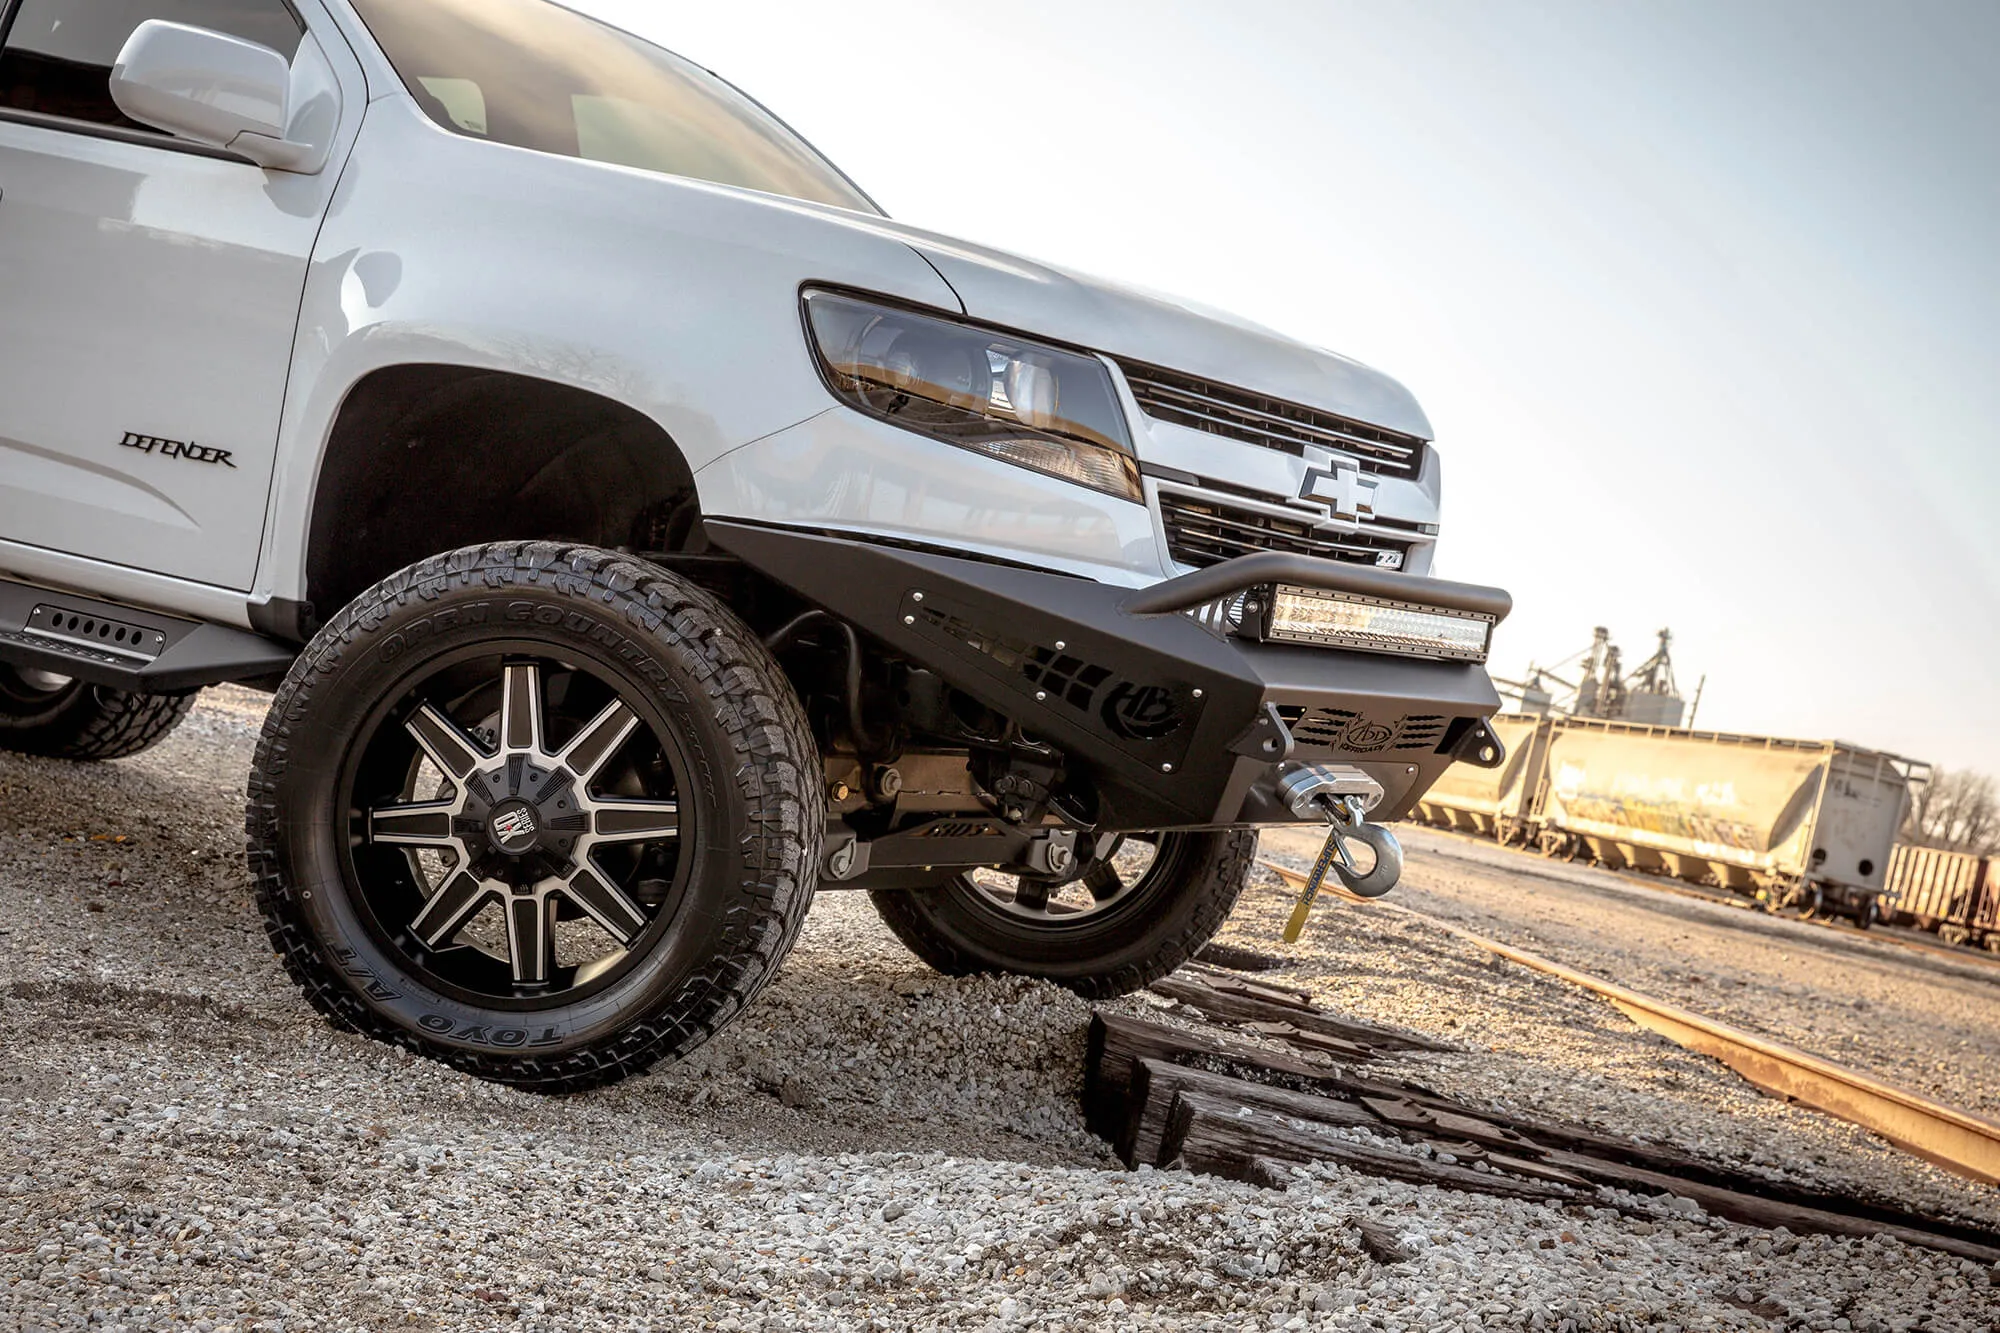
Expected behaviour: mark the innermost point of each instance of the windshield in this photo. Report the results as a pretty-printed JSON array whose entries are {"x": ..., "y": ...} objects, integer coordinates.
[{"x": 536, "y": 75}]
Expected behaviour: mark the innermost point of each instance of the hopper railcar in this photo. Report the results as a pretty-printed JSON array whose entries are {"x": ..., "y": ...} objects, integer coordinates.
[
  {"x": 1955, "y": 895},
  {"x": 1807, "y": 825}
]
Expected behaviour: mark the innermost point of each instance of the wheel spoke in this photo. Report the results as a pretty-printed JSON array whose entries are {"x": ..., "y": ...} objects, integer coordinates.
[
  {"x": 451, "y": 907},
  {"x": 519, "y": 785},
  {"x": 530, "y": 938},
  {"x": 598, "y": 741},
  {"x": 624, "y": 820},
  {"x": 1032, "y": 894},
  {"x": 423, "y": 824},
  {"x": 448, "y": 747},
  {"x": 607, "y": 905},
  {"x": 1104, "y": 882},
  {"x": 521, "y": 707}
]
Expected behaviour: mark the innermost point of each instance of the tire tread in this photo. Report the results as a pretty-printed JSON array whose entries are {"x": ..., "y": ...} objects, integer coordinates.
[
  {"x": 912, "y": 917},
  {"x": 778, "y": 770},
  {"x": 103, "y": 723}
]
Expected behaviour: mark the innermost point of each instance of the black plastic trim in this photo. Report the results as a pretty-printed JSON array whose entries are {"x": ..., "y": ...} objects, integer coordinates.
[
  {"x": 120, "y": 134},
  {"x": 284, "y": 618}
]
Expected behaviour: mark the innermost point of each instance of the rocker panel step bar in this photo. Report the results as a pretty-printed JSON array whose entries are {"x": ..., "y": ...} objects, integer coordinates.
[{"x": 126, "y": 648}]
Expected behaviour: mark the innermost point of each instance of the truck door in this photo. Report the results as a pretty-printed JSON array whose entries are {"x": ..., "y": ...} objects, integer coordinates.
[{"x": 149, "y": 295}]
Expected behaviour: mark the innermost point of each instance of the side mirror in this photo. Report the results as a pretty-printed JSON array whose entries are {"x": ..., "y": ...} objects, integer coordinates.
[{"x": 211, "y": 89}]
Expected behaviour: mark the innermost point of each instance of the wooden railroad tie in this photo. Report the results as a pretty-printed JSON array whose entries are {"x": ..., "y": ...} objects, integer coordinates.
[{"x": 1210, "y": 1098}]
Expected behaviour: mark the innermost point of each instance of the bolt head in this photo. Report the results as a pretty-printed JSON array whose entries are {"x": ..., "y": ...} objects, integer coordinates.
[
  {"x": 1041, "y": 696},
  {"x": 1166, "y": 768},
  {"x": 909, "y": 620},
  {"x": 1060, "y": 645},
  {"x": 1197, "y": 693},
  {"x": 916, "y": 597}
]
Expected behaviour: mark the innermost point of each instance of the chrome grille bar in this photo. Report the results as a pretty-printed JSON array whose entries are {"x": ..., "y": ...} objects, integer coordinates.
[
  {"x": 1203, "y": 531},
  {"x": 1241, "y": 415}
]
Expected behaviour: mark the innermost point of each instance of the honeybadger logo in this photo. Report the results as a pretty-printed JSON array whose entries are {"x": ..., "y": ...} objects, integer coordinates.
[
  {"x": 194, "y": 453},
  {"x": 1141, "y": 712}
]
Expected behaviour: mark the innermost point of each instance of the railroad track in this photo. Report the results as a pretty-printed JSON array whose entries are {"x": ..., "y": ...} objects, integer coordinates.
[
  {"x": 1978, "y": 960},
  {"x": 1957, "y": 1140},
  {"x": 1253, "y": 1081}
]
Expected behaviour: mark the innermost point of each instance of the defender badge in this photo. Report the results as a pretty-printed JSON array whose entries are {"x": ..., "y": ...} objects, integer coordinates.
[{"x": 194, "y": 453}]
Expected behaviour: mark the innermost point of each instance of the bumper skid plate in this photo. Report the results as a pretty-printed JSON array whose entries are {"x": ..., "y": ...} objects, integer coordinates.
[{"x": 1178, "y": 725}]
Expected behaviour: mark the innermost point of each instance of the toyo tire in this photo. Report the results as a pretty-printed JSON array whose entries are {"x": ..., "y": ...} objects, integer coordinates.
[
  {"x": 639, "y": 778},
  {"x": 1142, "y": 933},
  {"x": 64, "y": 718}
]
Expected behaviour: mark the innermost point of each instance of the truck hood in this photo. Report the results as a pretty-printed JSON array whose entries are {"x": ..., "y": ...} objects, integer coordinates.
[{"x": 1165, "y": 331}]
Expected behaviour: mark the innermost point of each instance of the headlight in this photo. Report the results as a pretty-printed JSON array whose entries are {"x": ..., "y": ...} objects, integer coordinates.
[
  {"x": 1343, "y": 620},
  {"x": 1038, "y": 406}
]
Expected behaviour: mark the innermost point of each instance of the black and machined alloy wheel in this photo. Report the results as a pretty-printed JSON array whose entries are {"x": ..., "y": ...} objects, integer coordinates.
[
  {"x": 1145, "y": 904},
  {"x": 49, "y": 714},
  {"x": 542, "y": 812}
]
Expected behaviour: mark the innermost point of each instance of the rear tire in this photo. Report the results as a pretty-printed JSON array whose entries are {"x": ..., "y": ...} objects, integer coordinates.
[
  {"x": 1171, "y": 913},
  {"x": 73, "y": 719},
  {"x": 627, "y": 852}
]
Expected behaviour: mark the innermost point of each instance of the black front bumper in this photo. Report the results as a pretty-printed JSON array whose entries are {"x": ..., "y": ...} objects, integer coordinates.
[{"x": 1179, "y": 726}]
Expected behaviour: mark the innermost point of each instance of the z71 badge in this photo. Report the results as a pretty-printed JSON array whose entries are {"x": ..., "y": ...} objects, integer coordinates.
[{"x": 194, "y": 453}]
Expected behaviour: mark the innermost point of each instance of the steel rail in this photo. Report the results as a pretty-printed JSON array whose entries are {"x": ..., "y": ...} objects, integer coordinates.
[
  {"x": 1946, "y": 1136},
  {"x": 1895, "y": 936}
]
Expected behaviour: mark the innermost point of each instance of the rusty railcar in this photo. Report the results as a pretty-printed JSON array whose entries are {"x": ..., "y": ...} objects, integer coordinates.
[
  {"x": 1954, "y": 894},
  {"x": 1804, "y": 824},
  {"x": 1497, "y": 802}
]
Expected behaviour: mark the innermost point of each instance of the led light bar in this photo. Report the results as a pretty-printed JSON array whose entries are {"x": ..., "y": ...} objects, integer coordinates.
[{"x": 1343, "y": 620}]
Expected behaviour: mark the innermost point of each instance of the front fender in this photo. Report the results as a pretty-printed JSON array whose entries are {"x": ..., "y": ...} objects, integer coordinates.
[{"x": 672, "y": 296}]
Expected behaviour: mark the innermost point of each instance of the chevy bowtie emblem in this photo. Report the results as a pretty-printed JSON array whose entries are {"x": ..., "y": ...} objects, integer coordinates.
[{"x": 1348, "y": 493}]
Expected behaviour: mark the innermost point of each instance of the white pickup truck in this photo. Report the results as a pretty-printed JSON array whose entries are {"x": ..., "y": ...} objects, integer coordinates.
[{"x": 640, "y": 531}]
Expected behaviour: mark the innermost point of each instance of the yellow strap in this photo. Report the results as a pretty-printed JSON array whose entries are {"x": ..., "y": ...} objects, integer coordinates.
[{"x": 1309, "y": 890}]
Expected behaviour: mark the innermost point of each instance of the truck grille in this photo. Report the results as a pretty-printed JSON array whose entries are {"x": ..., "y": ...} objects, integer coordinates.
[
  {"x": 1203, "y": 531},
  {"x": 1237, "y": 414}
]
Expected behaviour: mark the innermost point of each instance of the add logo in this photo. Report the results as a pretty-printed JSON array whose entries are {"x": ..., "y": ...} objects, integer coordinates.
[{"x": 1365, "y": 736}]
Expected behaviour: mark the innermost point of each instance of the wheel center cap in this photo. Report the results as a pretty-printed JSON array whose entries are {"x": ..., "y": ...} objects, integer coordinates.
[{"x": 514, "y": 827}]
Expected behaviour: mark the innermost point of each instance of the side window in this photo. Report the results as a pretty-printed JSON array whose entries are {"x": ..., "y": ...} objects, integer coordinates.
[{"x": 59, "y": 53}]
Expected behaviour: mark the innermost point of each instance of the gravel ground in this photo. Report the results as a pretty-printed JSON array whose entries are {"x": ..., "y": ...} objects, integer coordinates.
[
  {"x": 186, "y": 1146},
  {"x": 1931, "y": 1026}
]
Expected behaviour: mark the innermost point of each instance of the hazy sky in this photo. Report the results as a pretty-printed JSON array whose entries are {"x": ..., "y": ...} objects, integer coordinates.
[{"x": 1700, "y": 297}]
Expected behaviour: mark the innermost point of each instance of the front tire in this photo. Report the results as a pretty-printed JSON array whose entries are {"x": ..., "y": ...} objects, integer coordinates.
[
  {"x": 63, "y": 718},
  {"x": 543, "y": 813},
  {"x": 1103, "y": 941}
]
